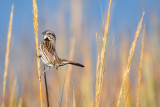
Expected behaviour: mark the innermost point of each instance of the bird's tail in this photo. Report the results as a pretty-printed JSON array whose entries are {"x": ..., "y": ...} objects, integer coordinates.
[{"x": 64, "y": 62}]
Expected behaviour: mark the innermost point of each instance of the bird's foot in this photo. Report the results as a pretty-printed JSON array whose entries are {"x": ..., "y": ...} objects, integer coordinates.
[
  {"x": 56, "y": 67},
  {"x": 38, "y": 55}
]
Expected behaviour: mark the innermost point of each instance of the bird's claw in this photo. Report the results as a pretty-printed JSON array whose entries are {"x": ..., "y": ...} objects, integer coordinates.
[{"x": 38, "y": 55}]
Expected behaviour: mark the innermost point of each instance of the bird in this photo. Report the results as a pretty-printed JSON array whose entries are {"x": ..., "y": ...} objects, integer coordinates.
[{"x": 48, "y": 53}]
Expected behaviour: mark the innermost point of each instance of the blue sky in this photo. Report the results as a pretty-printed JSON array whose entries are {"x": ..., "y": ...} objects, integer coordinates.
[{"x": 125, "y": 14}]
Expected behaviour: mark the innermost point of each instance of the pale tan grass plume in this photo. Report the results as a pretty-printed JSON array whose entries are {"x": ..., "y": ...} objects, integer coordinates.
[
  {"x": 20, "y": 102},
  {"x": 7, "y": 56},
  {"x": 12, "y": 92},
  {"x": 131, "y": 53},
  {"x": 68, "y": 75},
  {"x": 102, "y": 57},
  {"x": 35, "y": 23},
  {"x": 97, "y": 73},
  {"x": 140, "y": 68},
  {"x": 86, "y": 85},
  {"x": 74, "y": 99},
  {"x": 97, "y": 67}
]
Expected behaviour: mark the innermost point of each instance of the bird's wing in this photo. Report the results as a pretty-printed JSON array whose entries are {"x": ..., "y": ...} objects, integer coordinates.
[
  {"x": 47, "y": 56},
  {"x": 50, "y": 55}
]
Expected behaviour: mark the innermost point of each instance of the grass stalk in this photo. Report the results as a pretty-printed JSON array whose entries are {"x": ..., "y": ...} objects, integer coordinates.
[
  {"x": 7, "y": 56},
  {"x": 20, "y": 102},
  {"x": 68, "y": 75},
  {"x": 46, "y": 86},
  {"x": 35, "y": 23},
  {"x": 12, "y": 92},
  {"x": 140, "y": 69},
  {"x": 97, "y": 65},
  {"x": 99, "y": 79},
  {"x": 131, "y": 53},
  {"x": 74, "y": 100}
]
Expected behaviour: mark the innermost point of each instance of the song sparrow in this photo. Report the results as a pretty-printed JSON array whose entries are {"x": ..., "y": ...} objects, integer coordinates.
[{"x": 48, "y": 54}]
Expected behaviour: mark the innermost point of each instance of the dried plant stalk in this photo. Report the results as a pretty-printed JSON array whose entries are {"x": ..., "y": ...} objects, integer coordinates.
[
  {"x": 130, "y": 59},
  {"x": 99, "y": 80},
  {"x": 140, "y": 68},
  {"x": 7, "y": 56},
  {"x": 74, "y": 100},
  {"x": 20, "y": 102},
  {"x": 97, "y": 74},
  {"x": 68, "y": 75},
  {"x": 12, "y": 92},
  {"x": 35, "y": 23},
  {"x": 97, "y": 65},
  {"x": 46, "y": 86}
]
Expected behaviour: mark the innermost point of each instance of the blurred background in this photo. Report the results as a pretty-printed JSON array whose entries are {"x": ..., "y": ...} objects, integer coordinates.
[{"x": 75, "y": 23}]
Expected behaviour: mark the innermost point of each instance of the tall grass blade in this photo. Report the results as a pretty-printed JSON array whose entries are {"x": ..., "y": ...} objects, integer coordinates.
[
  {"x": 131, "y": 53},
  {"x": 68, "y": 75},
  {"x": 12, "y": 92},
  {"x": 35, "y": 23},
  {"x": 140, "y": 69},
  {"x": 99, "y": 80},
  {"x": 7, "y": 56},
  {"x": 74, "y": 99}
]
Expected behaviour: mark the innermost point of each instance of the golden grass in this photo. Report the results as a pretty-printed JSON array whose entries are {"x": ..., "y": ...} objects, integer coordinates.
[
  {"x": 97, "y": 74},
  {"x": 7, "y": 56},
  {"x": 140, "y": 68},
  {"x": 20, "y": 102},
  {"x": 82, "y": 94},
  {"x": 35, "y": 22},
  {"x": 12, "y": 92},
  {"x": 68, "y": 75},
  {"x": 97, "y": 70},
  {"x": 125, "y": 75},
  {"x": 74, "y": 99},
  {"x": 99, "y": 79},
  {"x": 127, "y": 94},
  {"x": 97, "y": 65},
  {"x": 86, "y": 85}
]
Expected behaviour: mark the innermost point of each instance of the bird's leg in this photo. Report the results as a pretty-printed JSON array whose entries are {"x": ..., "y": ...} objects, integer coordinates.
[
  {"x": 45, "y": 70},
  {"x": 56, "y": 67},
  {"x": 55, "y": 64}
]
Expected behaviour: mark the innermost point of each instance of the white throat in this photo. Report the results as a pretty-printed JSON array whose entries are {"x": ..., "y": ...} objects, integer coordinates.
[{"x": 45, "y": 37}]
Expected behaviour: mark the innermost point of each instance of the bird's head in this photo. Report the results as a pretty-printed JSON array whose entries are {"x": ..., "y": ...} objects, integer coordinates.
[{"x": 49, "y": 36}]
